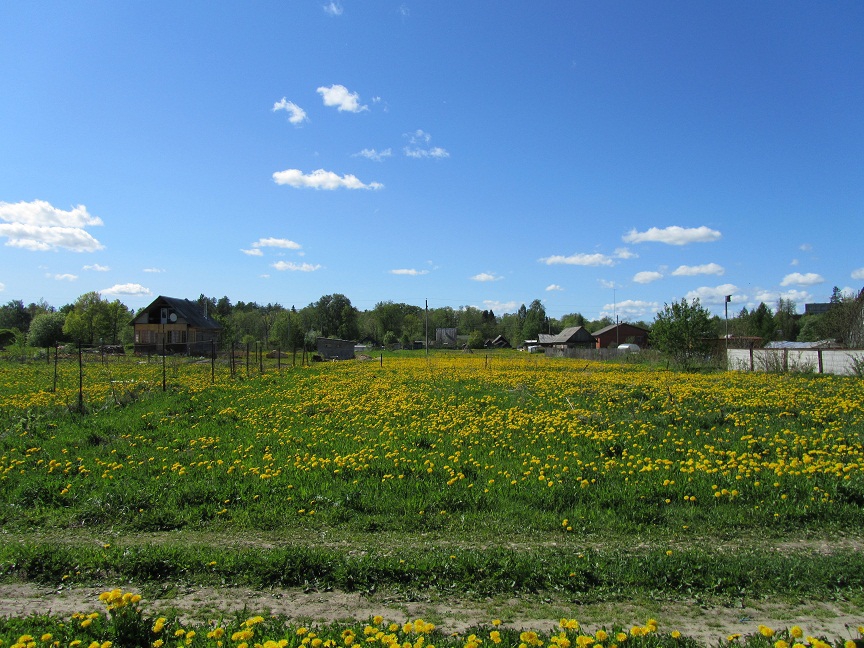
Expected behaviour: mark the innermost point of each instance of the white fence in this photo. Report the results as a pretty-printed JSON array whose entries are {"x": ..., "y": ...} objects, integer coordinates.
[{"x": 843, "y": 362}]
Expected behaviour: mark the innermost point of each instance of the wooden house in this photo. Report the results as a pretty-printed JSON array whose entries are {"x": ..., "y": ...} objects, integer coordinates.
[
  {"x": 175, "y": 326},
  {"x": 573, "y": 337},
  {"x": 615, "y": 334}
]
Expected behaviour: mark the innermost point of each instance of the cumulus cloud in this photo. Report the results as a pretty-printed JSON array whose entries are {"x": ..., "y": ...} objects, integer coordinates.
[
  {"x": 154, "y": 270},
  {"x": 799, "y": 279},
  {"x": 287, "y": 244},
  {"x": 127, "y": 290},
  {"x": 339, "y": 96},
  {"x": 486, "y": 276},
  {"x": 647, "y": 276},
  {"x": 630, "y": 308},
  {"x": 253, "y": 252},
  {"x": 96, "y": 268},
  {"x": 333, "y": 9},
  {"x": 673, "y": 235},
  {"x": 715, "y": 295},
  {"x": 858, "y": 274},
  {"x": 409, "y": 272},
  {"x": 296, "y": 115},
  {"x": 770, "y": 297},
  {"x": 40, "y": 226},
  {"x": 65, "y": 277},
  {"x": 625, "y": 253},
  {"x": 500, "y": 307},
  {"x": 553, "y": 287},
  {"x": 580, "y": 259},
  {"x": 372, "y": 154},
  {"x": 2, "y": 286},
  {"x": 417, "y": 146},
  {"x": 705, "y": 269},
  {"x": 321, "y": 179},
  {"x": 295, "y": 267}
]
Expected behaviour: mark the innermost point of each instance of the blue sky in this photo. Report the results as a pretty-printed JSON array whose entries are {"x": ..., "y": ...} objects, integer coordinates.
[{"x": 601, "y": 157}]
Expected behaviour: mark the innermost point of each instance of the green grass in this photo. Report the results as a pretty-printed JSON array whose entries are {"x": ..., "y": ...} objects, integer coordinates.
[{"x": 461, "y": 473}]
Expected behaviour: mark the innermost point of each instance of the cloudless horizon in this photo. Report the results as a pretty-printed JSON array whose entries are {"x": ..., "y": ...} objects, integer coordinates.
[{"x": 605, "y": 158}]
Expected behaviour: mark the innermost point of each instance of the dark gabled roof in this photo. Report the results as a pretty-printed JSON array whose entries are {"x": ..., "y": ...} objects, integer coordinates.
[
  {"x": 565, "y": 336},
  {"x": 191, "y": 311},
  {"x": 612, "y": 327}
]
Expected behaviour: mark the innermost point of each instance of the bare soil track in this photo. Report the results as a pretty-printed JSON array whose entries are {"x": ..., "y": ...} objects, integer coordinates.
[{"x": 706, "y": 623}]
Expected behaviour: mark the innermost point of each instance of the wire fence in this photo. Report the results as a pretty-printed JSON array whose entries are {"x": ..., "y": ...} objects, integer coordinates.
[{"x": 77, "y": 377}]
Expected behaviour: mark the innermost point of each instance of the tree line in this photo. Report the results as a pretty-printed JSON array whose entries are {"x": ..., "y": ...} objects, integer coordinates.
[{"x": 94, "y": 320}]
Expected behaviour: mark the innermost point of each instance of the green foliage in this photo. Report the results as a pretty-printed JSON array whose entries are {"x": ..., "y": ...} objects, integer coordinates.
[
  {"x": 13, "y": 315},
  {"x": 475, "y": 340},
  {"x": 684, "y": 332},
  {"x": 94, "y": 320},
  {"x": 46, "y": 330}
]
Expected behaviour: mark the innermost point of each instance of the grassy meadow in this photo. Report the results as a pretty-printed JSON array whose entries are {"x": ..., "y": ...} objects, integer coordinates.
[{"x": 458, "y": 474}]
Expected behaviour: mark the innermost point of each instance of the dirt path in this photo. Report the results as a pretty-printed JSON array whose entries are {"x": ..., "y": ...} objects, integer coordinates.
[{"x": 705, "y": 623}]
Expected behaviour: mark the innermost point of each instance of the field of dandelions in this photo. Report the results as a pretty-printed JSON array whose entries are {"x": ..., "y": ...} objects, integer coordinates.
[{"x": 456, "y": 474}]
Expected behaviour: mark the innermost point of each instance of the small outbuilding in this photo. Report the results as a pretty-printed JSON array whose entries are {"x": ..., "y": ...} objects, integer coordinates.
[{"x": 333, "y": 349}]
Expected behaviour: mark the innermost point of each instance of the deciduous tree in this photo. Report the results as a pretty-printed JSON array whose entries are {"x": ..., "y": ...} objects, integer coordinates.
[{"x": 683, "y": 331}]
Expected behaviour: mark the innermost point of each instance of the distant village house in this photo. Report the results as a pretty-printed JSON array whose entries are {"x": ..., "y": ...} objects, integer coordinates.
[
  {"x": 175, "y": 326},
  {"x": 615, "y": 334}
]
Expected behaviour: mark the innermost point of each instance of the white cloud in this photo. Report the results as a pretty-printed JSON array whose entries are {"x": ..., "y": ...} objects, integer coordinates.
[
  {"x": 858, "y": 274},
  {"x": 128, "y": 290},
  {"x": 608, "y": 284},
  {"x": 770, "y": 297},
  {"x": 65, "y": 277},
  {"x": 579, "y": 259},
  {"x": 673, "y": 235},
  {"x": 339, "y": 96},
  {"x": 252, "y": 252},
  {"x": 417, "y": 141},
  {"x": 410, "y": 272},
  {"x": 647, "y": 276},
  {"x": 501, "y": 307},
  {"x": 296, "y": 267},
  {"x": 434, "y": 152},
  {"x": 333, "y": 9},
  {"x": 153, "y": 270},
  {"x": 552, "y": 287},
  {"x": 486, "y": 276},
  {"x": 96, "y": 268},
  {"x": 705, "y": 269},
  {"x": 296, "y": 115},
  {"x": 630, "y": 308},
  {"x": 276, "y": 243},
  {"x": 805, "y": 247},
  {"x": 715, "y": 295},
  {"x": 419, "y": 137},
  {"x": 2, "y": 286},
  {"x": 372, "y": 154},
  {"x": 40, "y": 226},
  {"x": 799, "y": 279},
  {"x": 321, "y": 179},
  {"x": 625, "y": 253}
]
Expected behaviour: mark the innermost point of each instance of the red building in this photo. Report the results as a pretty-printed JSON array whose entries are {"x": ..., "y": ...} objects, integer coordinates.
[{"x": 622, "y": 333}]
